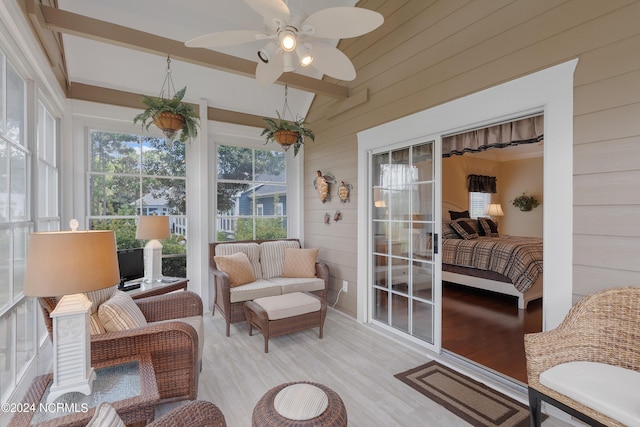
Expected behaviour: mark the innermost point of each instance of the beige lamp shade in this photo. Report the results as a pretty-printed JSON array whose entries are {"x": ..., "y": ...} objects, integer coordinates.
[
  {"x": 70, "y": 262},
  {"x": 494, "y": 209},
  {"x": 153, "y": 227}
]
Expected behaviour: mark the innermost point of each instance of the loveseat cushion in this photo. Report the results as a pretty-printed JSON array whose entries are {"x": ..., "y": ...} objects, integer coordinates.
[
  {"x": 252, "y": 250},
  {"x": 293, "y": 284},
  {"x": 272, "y": 256},
  {"x": 608, "y": 389},
  {"x": 258, "y": 289},
  {"x": 300, "y": 262}
]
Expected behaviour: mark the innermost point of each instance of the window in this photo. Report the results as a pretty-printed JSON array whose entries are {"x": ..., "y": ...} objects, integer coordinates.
[
  {"x": 478, "y": 203},
  {"x": 132, "y": 175},
  {"x": 252, "y": 194},
  {"x": 20, "y": 153}
]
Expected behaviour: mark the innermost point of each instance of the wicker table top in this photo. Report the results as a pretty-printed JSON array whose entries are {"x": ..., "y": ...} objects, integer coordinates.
[
  {"x": 129, "y": 384},
  {"x": 169, "y": 284}
]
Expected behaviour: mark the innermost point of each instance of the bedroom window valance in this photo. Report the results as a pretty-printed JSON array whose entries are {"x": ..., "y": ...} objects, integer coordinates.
[
  {"x": 523, "y": 131},
  {"x": 482, "y": 184}
]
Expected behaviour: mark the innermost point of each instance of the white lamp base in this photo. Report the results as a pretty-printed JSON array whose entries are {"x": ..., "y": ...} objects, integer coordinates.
[
  {"x": 72, "y": 369},
  {"x": 152, "y": 261}
]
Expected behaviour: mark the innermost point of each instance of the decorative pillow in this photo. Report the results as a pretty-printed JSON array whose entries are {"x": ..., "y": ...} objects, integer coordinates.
[
  {"x": 105, "y": 416},
  {"x": 300, "y": 262},
  {"x": 448, "y": 232},
  {"x": 95, "y": 325},
  {"x": 455, "y": 215},
  {"x": 120, "y": 313},
  {"x": 490, "y": 228},
  {"x": 237, "y": 266},
  {"x": 464, "y": 229}
]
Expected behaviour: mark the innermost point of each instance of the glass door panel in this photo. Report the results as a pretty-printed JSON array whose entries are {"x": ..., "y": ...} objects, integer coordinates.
[{"x": 403, "y": 224}]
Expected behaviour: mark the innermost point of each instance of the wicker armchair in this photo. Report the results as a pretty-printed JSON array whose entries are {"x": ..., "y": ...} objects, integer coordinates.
[
  {"x": 173, "y": 345},
  {"x": 604, "y": 328},
  {"x": 192, "y": 414}
]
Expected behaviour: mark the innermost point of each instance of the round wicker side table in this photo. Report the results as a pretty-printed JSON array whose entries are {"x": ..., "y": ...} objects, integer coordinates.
[{"x": 265, "y": 414}]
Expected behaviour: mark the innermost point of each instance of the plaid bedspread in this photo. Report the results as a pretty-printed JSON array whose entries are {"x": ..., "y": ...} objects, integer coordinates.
[{"x": 518, "y": 258}]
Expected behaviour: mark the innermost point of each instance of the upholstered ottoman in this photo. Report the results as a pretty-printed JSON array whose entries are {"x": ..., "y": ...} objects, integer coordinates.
[
  {"x": 300, "y": 404},
  {"x": 284, "y": 314}
]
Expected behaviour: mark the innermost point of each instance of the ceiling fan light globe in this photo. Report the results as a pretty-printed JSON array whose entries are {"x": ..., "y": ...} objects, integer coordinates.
[
  {"x": 305, "y": 61},
  {"x": 288, "y": 41}
]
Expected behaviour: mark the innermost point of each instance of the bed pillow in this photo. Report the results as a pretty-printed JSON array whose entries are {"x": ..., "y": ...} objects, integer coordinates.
[
  {"x": 456, "y": 215},
  {"x": 300, "y": 263},
  {"x": 448, "y": 232},
  {"x": 490, "y": 228},
  {"x": 237, "y": 266},
  {"x": 464, "y": 229}
]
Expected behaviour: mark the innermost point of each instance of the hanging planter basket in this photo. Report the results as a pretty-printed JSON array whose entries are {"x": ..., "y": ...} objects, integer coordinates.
[
  {"x": 169, "y": 123},
  {"x": 286, "y": 137}
]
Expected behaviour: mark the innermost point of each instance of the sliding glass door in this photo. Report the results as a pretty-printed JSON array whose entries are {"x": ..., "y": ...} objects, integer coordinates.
[{"x": 403, "y": 286}]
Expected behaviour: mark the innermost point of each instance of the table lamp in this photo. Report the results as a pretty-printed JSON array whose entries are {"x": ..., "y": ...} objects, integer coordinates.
[
  {"x": 494, "y": 210},
  {"x": 152, "y": 228},
  {"x": 67, "y": 263}
]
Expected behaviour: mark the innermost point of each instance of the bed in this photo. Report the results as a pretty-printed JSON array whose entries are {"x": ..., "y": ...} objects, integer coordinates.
[{"x": 508, "y": 265}]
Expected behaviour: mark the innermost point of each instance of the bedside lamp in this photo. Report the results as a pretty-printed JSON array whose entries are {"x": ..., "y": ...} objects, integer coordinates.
[
  {"x": 67, "y": 263},
  {"x": 494, "y": 210},
  {"x": 152, "y": 228}
]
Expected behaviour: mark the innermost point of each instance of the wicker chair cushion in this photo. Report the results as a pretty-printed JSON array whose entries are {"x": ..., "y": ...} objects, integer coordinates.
[
  {"x": 300, "y": 262},
  {"x": 288, "y": 305},
  {"x": 120, "y": 313},
  {"x": 301, "y": 402},
  {"x": 252, "y": 250},
  {"x": 608, "y": 389},
  {"x": 237, "y": 266},
  {"x": 272, "y": 256},
  {"x": 105, "y": 416},
  {"x": 95, "y": 325}
]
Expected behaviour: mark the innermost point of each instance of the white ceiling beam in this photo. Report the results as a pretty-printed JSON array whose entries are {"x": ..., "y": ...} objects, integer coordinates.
[{"x": 94, "y": 29}]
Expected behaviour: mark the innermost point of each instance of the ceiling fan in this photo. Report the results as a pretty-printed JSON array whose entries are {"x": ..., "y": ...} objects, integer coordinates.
[{"x": 293, "y": 38}]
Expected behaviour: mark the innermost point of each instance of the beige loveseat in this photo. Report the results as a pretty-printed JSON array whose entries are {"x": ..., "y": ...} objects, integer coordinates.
[{"x": 267, "y": 263}]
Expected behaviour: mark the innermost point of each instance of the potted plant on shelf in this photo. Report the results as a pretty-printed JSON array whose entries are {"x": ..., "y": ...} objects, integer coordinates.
[
  {"x": 287, "y": 133},
  {"x": 170, "y": 115},
  {"x": 525, "y": 203}
]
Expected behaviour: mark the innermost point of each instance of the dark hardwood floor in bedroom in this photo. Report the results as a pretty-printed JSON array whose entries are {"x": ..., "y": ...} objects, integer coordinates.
[{"x": 487, "y": 328}]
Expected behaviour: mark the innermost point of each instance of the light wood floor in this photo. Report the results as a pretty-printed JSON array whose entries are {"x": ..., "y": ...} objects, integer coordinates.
[{"x": 357, "y": 361}]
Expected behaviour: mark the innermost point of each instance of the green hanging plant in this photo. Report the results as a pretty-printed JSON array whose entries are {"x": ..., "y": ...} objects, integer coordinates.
[
  {"x": 287, "y": 133},
  {"x": 170, "y": 115},
  {"x": 525, "y": 203}
]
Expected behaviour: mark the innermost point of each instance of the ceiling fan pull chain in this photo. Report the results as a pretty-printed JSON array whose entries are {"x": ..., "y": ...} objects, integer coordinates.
[{"x": 168, "y": 81}]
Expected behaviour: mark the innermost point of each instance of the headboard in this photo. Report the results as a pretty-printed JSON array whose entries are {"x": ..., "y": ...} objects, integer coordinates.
[{"x": 449, "y": 206}]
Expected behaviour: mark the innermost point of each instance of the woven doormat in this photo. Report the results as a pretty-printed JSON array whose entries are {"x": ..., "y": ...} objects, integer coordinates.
[{"x": 471, "y": 400}]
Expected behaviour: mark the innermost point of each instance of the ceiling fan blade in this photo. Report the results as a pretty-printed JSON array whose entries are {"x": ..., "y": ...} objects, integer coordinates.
[
  {"x": 267, "y": 73},
  {"x": 227, "y": 38},
  {"x": 270, "y": 9},
  {"x": 332, "y": 62},
  {"x": 342, "y": 22}
]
